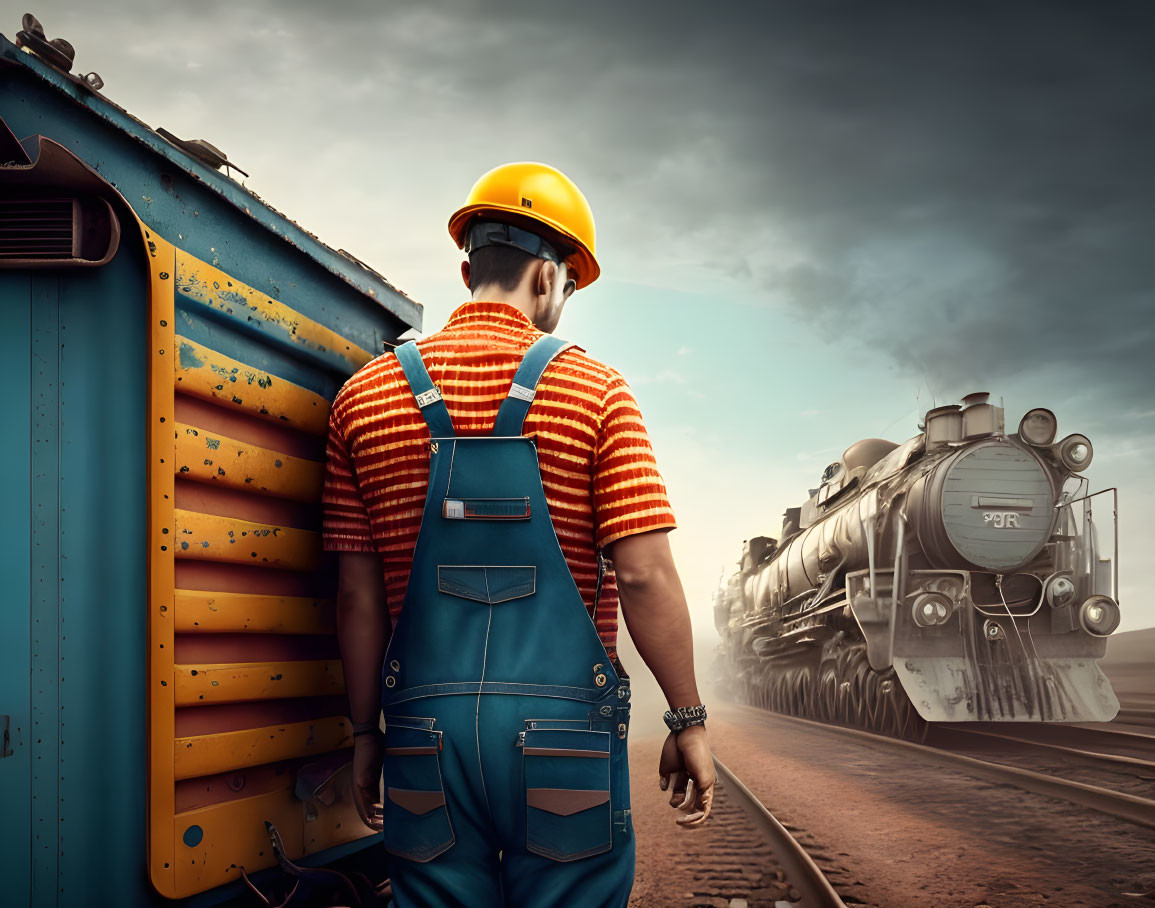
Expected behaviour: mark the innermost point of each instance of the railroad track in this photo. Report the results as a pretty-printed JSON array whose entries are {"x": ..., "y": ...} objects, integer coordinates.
[
  {"x": 1123, "y": 805},
  {"x": 1136, "y": 716},
  {"x": 801, "y": 872},
  {"x": 741, "y": 857},
  {"x": 1090, "y": 761},
  {"x": 1099, "y": 744}
]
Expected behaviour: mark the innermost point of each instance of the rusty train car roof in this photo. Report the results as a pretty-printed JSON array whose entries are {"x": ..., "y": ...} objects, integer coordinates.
[{"x": 246, "y": 203}]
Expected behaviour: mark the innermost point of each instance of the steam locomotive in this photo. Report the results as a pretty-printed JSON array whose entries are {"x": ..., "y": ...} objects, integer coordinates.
[{"x": 955, "y": 577}]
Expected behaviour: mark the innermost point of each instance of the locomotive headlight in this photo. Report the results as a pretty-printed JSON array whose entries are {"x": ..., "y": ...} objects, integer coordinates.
[
  {"x": 1075, "y": 452},
  {"x": 1038, "y": 427},
  {"x": 931, "y": 609},
  {"x": 1099, "y": 616},
  {"x": 1060, "y": 591}
]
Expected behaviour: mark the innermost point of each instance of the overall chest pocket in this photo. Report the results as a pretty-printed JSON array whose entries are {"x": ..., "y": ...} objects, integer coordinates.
[
  {"x": 569, "y": 814},
  {"x": 416, "y": 819}
]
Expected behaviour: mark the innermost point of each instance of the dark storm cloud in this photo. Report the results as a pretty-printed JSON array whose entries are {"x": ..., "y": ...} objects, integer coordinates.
[
  {"x": 969, "y": 188},
  {"x": 966, "y": 187}
]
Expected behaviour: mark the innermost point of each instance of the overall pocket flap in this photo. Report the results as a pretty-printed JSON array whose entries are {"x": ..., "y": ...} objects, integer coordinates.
[
  {"x": 417, "y": 802},
  {"x": 565, "y": 801},
  {"x": 487, "y": 583}
]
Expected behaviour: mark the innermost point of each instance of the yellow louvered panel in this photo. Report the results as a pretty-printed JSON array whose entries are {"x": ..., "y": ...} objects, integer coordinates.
[
  {"x": 214, "y": 289},
  {"x": 236, "y": 485},
  {"x": 200, "y": 611},
  {"x": 232, "y": 835},
  {"x": 211, "y": 457},
  {"x": 203, "y": 755},
  {"x": 241, "y": 681},
  {"x": 217, "y": 538},
  {"x": 235, "y": 385}
]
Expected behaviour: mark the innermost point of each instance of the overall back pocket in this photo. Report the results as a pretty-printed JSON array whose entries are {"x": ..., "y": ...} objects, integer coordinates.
[
  {"x": 415, "y": 816},
  {"x": 567, "y": 792}
]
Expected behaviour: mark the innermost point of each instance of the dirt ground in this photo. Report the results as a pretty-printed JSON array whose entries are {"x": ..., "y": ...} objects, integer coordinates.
[{"x": 892, "y": 832}]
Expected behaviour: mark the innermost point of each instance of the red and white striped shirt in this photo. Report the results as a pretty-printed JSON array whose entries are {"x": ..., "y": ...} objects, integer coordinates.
[{"x": 597, "y": 465}]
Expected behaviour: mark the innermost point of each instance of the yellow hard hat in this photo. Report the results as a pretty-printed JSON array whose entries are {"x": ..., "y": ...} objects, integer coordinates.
[{"x": 530, "y": 195}]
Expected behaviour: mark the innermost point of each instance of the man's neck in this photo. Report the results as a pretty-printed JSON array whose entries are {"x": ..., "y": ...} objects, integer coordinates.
[{"x": 521, "y": 302}]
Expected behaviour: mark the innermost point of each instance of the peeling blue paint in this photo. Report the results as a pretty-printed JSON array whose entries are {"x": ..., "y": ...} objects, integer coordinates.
[{"x": 189, "y": 358}]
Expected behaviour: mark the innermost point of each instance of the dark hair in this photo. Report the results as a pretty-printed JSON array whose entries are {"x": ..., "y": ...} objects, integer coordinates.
[{"x": 501, "y": 265}]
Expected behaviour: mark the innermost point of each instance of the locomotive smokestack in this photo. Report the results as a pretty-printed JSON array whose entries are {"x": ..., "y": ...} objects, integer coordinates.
[
  {"x": 943, "y": 424},
  {"x": 980, "y": 417}
]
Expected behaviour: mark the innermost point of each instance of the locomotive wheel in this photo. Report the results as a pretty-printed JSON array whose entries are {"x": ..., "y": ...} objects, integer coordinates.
[
  {"x": 872, "y": 703},
  {"x": 808, "y": 694},
  {"x": 829, "y": 697},
  {"x": 857, "y": 714},
  {"x": 915, "y": 727}
]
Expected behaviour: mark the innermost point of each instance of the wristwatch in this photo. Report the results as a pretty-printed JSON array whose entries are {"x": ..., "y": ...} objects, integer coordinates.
[{"x": 685, "y": 716}]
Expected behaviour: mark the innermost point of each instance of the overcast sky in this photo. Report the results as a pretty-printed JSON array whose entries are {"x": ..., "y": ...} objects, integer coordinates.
[{"x": 815, "y": 219}]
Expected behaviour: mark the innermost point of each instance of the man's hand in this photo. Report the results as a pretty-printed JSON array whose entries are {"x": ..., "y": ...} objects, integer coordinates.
[
  {"x": 686, "y": 758},
  {"x": 368, "y": 751}
]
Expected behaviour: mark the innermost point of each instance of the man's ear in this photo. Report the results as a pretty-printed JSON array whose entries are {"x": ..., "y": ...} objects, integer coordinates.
[
  {"x": 465, "y": 274},
  {"x": 546, "y": 275}
]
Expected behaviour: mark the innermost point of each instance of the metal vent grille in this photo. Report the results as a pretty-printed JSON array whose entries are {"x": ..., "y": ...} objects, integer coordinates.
[{"x": 38, "y": 228}]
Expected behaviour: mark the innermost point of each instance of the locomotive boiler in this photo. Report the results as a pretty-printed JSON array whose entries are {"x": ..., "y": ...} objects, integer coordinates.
[{"x": 958, "y": 576}]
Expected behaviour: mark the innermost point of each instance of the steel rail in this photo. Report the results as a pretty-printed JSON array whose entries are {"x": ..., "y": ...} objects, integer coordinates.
[
  {"x": 801, "y": 871},
  {"x": 1048, "y": 745},
  {"x": 1136, "y": 716},
  {"x": 1132, "y": 808}
]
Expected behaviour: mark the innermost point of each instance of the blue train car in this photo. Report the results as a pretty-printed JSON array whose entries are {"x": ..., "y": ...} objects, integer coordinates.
[{"x": 168, "y": 666}]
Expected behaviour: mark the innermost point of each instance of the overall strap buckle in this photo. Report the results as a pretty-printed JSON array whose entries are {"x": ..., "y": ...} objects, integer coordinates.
[
  {"x": 514, "y": 408},
  {"x": 427, "y": 395}
]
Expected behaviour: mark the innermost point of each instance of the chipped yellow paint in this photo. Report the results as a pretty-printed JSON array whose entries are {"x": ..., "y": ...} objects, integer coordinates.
[
  {"x": 211, "y": 457},
  {"x": 234, "y": 836},
  {"x": 233, "y": 682},
  {"x": 205, "y": 373},
  {"x": 215, "y": 538},
  {"x": 201, "y": 611},
  {"x": 213, "y": 288},
  {"x": 203, "y": 755}
]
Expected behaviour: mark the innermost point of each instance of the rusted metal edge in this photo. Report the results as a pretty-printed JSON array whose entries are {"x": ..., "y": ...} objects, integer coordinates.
[
  {"x": 801, "y": 871},
  {"x": 1132, "y": 808}
]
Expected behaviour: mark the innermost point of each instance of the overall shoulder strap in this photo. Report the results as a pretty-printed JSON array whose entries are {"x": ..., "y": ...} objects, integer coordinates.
[
  {"x": 424, "y": 392},
  {"x": 515, "y": 407}
]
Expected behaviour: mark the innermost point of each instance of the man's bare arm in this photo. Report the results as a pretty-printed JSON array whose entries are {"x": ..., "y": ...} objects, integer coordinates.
[
  {"x": 362, "y": 631},
  {"x": 656, "y": 614},
  {"x": 654, "y": 606},
  {"x": 363, "y": 635}
]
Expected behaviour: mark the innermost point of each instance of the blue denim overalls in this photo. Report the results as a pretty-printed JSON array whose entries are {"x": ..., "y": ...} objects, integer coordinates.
[{"x": 505, "y": 771}]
